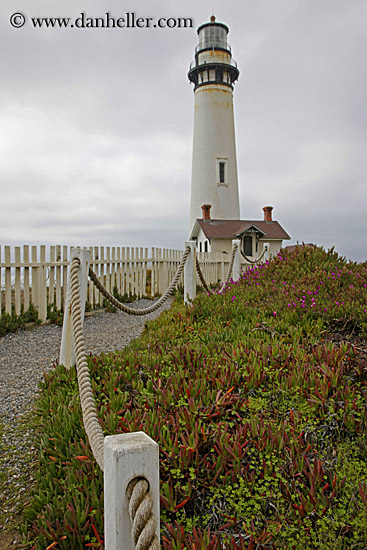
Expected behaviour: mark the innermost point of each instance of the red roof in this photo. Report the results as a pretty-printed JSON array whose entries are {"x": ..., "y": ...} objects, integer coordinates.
[
  {"x": 292, "y": 247},
  {"x": 232, "y": 229}
]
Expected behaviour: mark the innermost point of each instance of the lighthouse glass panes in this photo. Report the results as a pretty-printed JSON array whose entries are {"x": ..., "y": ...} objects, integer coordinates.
[{"x": 213, "y": 37}]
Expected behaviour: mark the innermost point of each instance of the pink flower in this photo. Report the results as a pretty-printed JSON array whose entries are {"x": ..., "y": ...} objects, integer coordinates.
[
  {"x": 274, "y": 313},
  {"x": 233, "y": 297}
]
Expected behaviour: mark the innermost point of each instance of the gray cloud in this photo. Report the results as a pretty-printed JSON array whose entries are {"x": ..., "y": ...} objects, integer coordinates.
[{"x": 96, "y": 124}]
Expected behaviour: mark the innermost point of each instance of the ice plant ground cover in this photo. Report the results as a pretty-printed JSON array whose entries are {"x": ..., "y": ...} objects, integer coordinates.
[{"x": 257, "y": 398}]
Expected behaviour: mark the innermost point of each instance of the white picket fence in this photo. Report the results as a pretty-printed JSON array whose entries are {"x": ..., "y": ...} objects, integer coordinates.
[{"x": 39, "y": 274}]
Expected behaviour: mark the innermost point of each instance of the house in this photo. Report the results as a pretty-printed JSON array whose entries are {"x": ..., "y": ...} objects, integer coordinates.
[{"x": 257, "y": 236}]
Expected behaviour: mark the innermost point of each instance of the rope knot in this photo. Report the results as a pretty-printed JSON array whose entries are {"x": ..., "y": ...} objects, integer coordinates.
[{"x": 144, "y": 523}]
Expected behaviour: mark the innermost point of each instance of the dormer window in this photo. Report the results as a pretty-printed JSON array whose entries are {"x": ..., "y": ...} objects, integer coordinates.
[{"x": 247, "y": 245}]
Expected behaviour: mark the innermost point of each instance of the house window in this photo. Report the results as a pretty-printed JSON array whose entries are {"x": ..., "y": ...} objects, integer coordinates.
[
  {"x": 247, "y": 245},
  {"x": 206, "y": 246}
]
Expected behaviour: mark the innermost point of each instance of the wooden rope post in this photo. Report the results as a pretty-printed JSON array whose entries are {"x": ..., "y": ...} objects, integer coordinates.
[
  {"x": 67, "y": 350},
  {"x": 267, "y": 251},
  {"x": 236, "y": 271},
  {"x": 190, "y": 273},
  {"x": 127, "y": 457}
]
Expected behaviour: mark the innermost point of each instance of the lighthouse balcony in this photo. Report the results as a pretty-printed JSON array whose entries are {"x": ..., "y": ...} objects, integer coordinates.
[
  {"x": 203, "y": 66},
  {"x": 221, "y": 46},
  {"x": 213, "y": 73}
]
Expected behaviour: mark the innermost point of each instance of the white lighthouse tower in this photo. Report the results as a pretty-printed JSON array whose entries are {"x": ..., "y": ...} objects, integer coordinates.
[{"x": 214, "y": 164}]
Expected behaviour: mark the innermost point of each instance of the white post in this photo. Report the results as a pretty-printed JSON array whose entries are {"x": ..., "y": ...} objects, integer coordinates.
[
  {"x": 67, "y": 349},
  {"x": 190, "y": 273},
  {"x": 267, "y": 253},
  {"x": 236, "y": 271},
  {"x": 42, "y": 288},
  {"x": 127, "y": 456}
]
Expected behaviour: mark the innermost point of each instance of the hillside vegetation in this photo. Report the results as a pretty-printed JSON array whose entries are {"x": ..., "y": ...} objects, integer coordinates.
[{"x": 257, "y": 398}]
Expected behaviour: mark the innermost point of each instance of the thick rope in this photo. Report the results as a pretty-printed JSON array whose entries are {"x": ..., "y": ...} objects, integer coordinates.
[
  {"x": 202, "y": 280},
  {"x": 230, "y": 268},
  {"x": 229, "y": 274},
  {"x": 89, "y": 410},
  {"x": 90, "y": 418},
  {"x": 253, "y": 261},
  {"x": 147, "y": 310},
  {"x": 144, "y": 523}
]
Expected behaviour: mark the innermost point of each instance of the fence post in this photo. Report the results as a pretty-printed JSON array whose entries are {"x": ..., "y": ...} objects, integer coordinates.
[
  {"x": 190, "y": 273},
  {"x": 127, "y": 456},
  {"x": 7, "y": 280},
  {"x": 236, "y": 271},
  {"x": 267, "y": 253},
  {"x": 67, "y": 349},
  {"x": 42, "y": 287}
]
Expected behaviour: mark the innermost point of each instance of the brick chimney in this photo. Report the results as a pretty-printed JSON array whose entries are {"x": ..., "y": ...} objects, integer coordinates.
[
  {"x": 206, "y": 211},
  {"x": 267, "y": 214}
]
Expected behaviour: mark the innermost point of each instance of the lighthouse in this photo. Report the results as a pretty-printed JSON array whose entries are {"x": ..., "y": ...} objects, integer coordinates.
[{"x": 214, "y": 165}]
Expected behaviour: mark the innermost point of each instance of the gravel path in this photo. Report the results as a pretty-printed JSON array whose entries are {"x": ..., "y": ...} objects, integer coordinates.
[{"x": 24, "y": 356}]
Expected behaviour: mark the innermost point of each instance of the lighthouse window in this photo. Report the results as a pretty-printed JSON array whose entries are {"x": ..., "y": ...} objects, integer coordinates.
[
  {"x": 222, "y": 167},
  {"x": 219, "y": 75},
  {"x": 222, "y": 171}
]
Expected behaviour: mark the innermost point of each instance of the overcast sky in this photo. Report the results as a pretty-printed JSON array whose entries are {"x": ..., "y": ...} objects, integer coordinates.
[{"x": 96, "y": 124}]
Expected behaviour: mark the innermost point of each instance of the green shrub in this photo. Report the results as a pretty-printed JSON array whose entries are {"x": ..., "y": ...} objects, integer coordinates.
[
  {"x": 124, "y": 298},
  {"x": 13, "y": 323},
  {"x": 55, "y": 315},
  {"x": 257, "y": 398}
]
